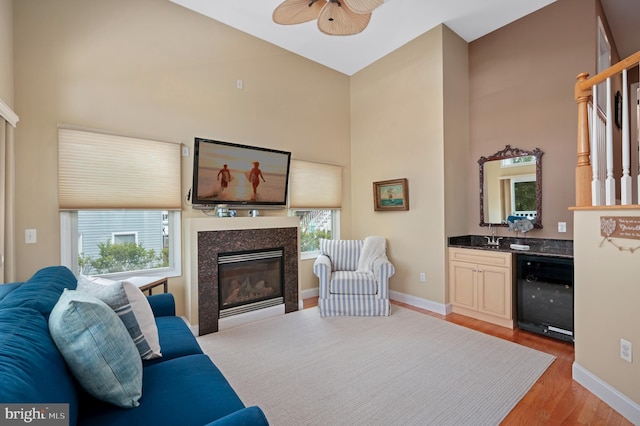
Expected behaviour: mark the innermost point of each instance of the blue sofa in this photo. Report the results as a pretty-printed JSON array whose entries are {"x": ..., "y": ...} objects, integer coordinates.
[{"x": 183, "y": 387}]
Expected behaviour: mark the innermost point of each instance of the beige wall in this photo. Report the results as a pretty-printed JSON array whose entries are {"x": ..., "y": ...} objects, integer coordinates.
[
  {"x": 522, "y": 78},
  {"x": 456, "y": 138},
  {"x": 606, "y": 302},
  {"x": 6, "y": 51},
  {"x": 398, "y": 131},
  {"x": 152, "y": 68}
]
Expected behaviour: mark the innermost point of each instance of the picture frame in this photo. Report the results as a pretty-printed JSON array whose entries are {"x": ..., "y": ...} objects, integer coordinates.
[{"x": 391, "y": 195}]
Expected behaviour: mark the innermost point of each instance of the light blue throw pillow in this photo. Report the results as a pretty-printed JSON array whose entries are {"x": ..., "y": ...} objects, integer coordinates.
[{"x": 97, "y": 348}]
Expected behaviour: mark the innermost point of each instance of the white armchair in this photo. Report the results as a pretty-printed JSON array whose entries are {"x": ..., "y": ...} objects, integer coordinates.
[{"x": 354, "y": 278}]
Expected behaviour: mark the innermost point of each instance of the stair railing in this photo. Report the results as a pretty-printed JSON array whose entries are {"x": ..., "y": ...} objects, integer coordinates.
[{"x": 591, "y": 154}]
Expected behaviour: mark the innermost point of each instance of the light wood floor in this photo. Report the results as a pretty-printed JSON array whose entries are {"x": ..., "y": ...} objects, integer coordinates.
[{"x": 555, "y": 399}]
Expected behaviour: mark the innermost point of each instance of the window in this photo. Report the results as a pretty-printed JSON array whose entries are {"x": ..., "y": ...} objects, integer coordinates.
[
  {"x": 123, "y": 237},
  {"x": 119, "y": 201},
  {"x": 315, "y": 195},
  {"x": 523, "y": 196},
  {"x": 96, "y": 247},
  {"x": 316, "y": 224},
  {"x": 524, "y": 160}
]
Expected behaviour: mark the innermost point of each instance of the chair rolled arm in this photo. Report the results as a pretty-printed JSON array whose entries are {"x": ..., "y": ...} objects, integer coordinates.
[
  {"x": 322, "y": 270},
  {"x": 383, "y": 270},
  {"x": 321, "y": 261}
]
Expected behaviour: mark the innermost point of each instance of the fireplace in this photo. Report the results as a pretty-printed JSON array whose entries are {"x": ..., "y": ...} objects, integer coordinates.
[
  {"x": 250, "y": 280},
  {"x": 208, "y": 239}
]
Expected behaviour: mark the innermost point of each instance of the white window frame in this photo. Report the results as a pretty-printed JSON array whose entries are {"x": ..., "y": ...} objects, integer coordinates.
[
  {"x": 530, "y": 214},
  {"x": 335, "y": 231},
  {"x": 69, "y": 239},
  {"x": 509, "y": 162},
  {"x": 124, "y": 233}
]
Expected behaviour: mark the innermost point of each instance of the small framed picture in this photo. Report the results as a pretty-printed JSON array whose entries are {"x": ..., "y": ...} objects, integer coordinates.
[{"x": 391, "y": 195}]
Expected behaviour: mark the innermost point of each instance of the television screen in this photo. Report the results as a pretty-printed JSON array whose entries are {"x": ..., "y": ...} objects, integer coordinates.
[{"x": 239, "y": 175}]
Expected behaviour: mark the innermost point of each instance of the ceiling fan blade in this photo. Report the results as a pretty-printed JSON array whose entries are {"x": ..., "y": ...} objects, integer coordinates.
[
  {"x": 363, "y": 6},
  {"x": 337, "y": 19},
  {"x": 297, "y": 11}
]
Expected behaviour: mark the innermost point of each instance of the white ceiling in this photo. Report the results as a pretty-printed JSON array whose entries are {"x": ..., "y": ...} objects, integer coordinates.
[{"x": 395, "y": 23}]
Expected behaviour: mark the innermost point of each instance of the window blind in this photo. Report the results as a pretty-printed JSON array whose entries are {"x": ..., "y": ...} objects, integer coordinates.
[
  {"x": 103, "y": 171},
  {"x": 315, "y": 185}
]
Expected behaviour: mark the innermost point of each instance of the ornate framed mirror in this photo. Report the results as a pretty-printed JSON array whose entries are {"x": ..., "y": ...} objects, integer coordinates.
[{"x": 511, "y": 185}]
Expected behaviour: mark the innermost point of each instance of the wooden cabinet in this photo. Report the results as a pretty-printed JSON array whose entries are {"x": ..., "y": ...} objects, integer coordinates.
[{"x": 481, "y": 285}]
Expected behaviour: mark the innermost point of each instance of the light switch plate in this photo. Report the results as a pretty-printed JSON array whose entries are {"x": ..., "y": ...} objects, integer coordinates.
[{"x": 30, "y": 236}]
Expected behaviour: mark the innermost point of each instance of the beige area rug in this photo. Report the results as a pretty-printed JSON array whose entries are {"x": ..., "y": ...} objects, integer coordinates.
[{"x": 405, "y": 369}]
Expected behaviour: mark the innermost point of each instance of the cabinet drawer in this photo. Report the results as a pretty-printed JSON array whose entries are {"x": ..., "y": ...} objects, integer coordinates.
[{"x": 484, "y": 257}]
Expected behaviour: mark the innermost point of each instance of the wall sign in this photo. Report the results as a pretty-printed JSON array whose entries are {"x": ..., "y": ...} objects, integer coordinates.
[{"x": 620, "y": 227}]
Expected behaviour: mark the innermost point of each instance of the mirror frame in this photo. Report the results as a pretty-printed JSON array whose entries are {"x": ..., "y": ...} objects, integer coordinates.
[{"x": 509, "y": 152}]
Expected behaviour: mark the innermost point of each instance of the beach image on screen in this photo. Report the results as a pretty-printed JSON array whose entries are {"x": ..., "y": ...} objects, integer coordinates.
[{"x": 232, "y": 174}]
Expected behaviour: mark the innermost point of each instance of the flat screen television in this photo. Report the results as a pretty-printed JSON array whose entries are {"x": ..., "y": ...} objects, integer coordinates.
[{"x": 239, "y": 175}]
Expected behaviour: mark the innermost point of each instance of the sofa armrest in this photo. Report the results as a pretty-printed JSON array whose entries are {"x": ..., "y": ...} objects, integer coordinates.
[
  {"x": 8, "y": 288},
  {"x": 322, "y": 270},
  {"x": 383, "y": 270},
  {"x": 162, "y": 305},
  {"x": 250, "y": 416}
]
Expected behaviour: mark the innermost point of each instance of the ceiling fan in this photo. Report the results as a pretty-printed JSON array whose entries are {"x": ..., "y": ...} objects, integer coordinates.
[{"x": 335, "y": 17}]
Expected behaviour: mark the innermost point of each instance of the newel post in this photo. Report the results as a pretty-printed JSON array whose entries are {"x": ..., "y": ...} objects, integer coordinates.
[{"x": 583, "y": 169}]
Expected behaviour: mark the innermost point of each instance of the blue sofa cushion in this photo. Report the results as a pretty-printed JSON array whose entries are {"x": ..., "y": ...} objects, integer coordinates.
[
  {"x": 183, "y": 391},
  {"x": 31, "y": 368},
  {"x": 176, "y": 340},
  {"x": 8, "y": 288},
  {"x": 42, "y": 290},
  {"x": 97, "y": 348},
  {"x": 250, "y": 416}
]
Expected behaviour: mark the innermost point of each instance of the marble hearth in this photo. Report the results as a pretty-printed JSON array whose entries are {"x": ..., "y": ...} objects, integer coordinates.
[{"x": 206, "y": 237}]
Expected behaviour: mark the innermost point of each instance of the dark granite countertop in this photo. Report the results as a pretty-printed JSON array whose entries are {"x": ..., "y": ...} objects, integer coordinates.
[{"x": 538, "y": 246}]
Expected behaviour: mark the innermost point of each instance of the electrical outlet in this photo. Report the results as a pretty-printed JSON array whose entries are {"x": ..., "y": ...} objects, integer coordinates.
[
  {"x": 423, "y": 277},
  {"x": 562, "y": 226},
  {"x": 626, "y": 350}
]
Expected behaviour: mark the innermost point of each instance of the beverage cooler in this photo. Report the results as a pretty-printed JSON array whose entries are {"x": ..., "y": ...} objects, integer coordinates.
[{"x": 544, "y": 292}]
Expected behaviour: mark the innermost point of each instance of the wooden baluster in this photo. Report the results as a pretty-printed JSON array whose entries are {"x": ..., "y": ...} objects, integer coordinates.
[
  {"x": 610, "y": 182},
  {"x": 583, "y": 169},
  {"x": 625, "y": 181}
]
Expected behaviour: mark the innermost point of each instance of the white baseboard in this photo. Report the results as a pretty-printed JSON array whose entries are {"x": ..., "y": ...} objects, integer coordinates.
[
  {"x": 616, "y": 400},
  {"x": 438, "y": 308},
  {"x": 307, "y": 294},
  {"x": 418, "y": 302}
]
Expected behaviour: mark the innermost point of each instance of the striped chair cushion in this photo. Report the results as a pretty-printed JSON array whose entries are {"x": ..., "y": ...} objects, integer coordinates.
[
  {"x": 344, "y": 254},
  {"x": 351, "y": 282}
]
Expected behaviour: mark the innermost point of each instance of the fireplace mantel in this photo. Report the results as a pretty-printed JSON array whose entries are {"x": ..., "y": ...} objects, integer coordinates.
[{"x": 194, "y": 226}]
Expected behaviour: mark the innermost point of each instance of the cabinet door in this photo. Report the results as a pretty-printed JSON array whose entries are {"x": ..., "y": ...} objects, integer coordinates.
[
  {"x": 462, "y": 284},
  {"x": 494, "y": 291}
]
